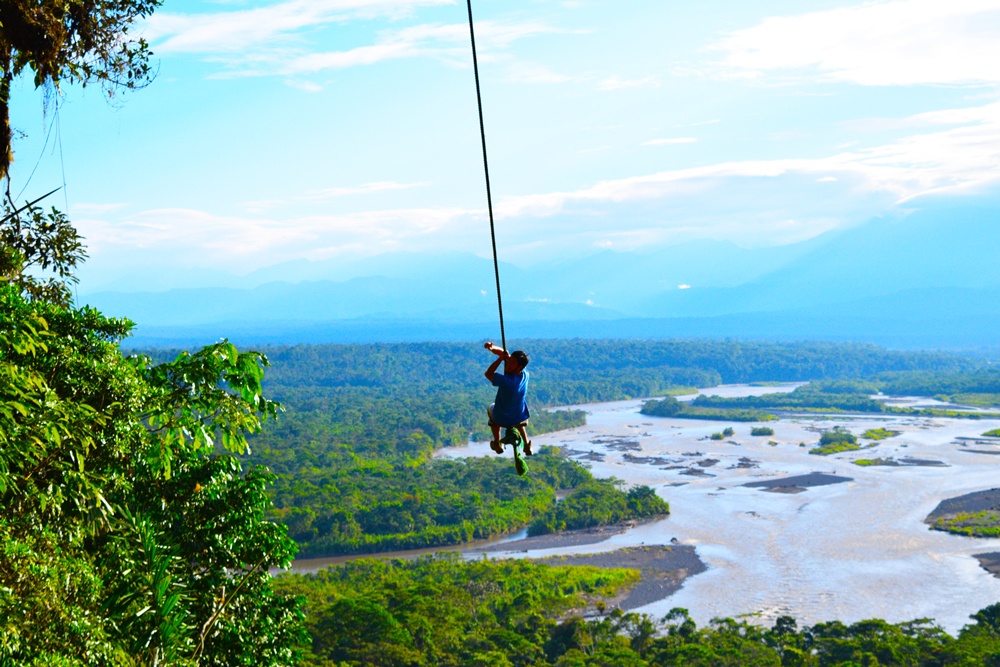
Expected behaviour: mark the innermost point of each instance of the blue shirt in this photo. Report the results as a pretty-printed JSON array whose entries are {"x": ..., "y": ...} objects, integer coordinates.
[{"x": 510, "y": 407}]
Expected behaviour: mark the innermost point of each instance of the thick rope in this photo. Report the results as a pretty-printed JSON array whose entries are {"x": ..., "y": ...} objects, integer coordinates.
[{"x": 486, "y": 169}]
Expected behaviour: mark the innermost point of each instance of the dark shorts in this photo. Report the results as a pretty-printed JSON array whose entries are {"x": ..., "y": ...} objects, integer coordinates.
[{"x": 489, "y": 411}]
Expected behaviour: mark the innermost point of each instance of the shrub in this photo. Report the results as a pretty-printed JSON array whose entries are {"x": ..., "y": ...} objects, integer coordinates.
[{"x": 879, "y": 434}]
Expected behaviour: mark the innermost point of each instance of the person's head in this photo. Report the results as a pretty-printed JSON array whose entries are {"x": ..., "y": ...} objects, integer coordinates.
[{"x": 515, "y": 362}]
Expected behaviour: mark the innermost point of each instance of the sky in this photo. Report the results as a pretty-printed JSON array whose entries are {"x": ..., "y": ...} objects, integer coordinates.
[{"x": 312, "y": 130}]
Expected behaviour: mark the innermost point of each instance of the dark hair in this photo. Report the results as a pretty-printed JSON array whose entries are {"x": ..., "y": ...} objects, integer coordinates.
[{"x": 520, "y": 356}]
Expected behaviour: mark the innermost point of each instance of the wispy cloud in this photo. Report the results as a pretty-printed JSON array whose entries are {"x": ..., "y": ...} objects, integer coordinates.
[
  {"x": 445, "y": 42},
  {"x": 306, "y": 86},
  {"x": 897, "y": 43},
  {"x": 744, "y": 201},
  {"x": 220, "y": 240},
  {"x": 281, "y": 39},
  {"x": 327, "y": 194},
  {"x": 619, "y": 83},
  {"x": 951, "y": 159},
  {"x": 670, "y": 141},
  {"x": 250, "y": 29},
  {"x": 700, "y": 123},
  {"x": 528, "y": 72},
  {"x": 90, "y": 208},
  {"x": 363, "y": 189}
]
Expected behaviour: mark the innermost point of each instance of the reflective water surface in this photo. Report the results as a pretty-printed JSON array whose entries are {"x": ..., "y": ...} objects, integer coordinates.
[{"x": 846, "y": 551}]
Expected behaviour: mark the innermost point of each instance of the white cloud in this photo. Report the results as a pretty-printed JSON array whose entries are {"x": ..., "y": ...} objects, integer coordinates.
[
  {"x": 954, "y": 158},
  {"x": 683, "y": 286},
  {"x": 670, "y": 141},
  {"x": 527, "y": 72},
  {"x": 713, "y": 121},
  {"x": 618, "y": 83},
  {"x": 897, "y": 43},
  {"x": 248, "y": 29},
  {"x": 236, "y": 242},
  {"x": 445, "y": 42},
  {"x": 363, "y": 189},
  {"x": 749, "y": 202},
  {"x": 306, "y": 86},
  {"x": 85, "y": 208},
  {"x": 278, "y": 39}
]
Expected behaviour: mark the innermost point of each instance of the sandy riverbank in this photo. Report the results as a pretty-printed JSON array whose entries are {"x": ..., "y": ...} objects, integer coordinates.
[
  {"x": 663, "y": 570},
  {"x": 517, "y": 542}
]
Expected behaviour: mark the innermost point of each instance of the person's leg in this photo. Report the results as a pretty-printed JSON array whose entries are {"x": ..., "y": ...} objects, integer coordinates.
[
  {"x": 522, "y": 428},
  {"x": 495, "y": 429}
]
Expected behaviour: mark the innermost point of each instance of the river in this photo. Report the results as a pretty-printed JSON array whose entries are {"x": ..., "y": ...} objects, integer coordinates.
[{"x": 845, "y": 551}]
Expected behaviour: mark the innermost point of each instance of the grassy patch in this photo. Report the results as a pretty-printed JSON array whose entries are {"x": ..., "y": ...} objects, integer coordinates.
[
  {"x": 978, "y": 400},
  {"x": 879, "y": 434},
  {"x": 762, "y": 430},
  {"x": 995, "y": 433},
  {"x": 836, "y": 441},
  {"x": 679, "y": 391},
  {"x": 871, "y": 462},
  {"x": 671, "y": 407},
  {"x": 835, "y": 448},
  {"x": 972, "y": 524}
]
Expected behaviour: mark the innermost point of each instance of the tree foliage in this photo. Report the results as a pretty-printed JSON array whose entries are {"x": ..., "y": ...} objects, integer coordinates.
[
  {"x": 72, "y": 41},
  {"x": 126, "y": 539},
  {"x": 39, "y": 253},
  {"x": 446, "y": 611}
]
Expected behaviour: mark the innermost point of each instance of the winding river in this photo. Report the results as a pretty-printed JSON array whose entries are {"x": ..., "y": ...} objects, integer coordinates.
[{"x": 846, "y": 551}]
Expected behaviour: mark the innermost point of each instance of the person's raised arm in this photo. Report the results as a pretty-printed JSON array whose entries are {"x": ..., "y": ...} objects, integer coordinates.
[{"x": 501, "y": 356}]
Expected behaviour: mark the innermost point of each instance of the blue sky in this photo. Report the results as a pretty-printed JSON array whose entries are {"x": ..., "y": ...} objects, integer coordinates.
[{"x": 298, "y": 130}]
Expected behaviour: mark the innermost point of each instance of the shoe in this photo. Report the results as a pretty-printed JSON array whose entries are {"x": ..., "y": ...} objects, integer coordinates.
[
  {"x": 511, "y": 437},
  {"x": 496, "y": 446},
  {"x": 527, "y": 448}
]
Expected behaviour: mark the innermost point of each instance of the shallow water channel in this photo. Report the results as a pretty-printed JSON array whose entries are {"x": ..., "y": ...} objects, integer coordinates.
[{"x": 845, "y": 551}]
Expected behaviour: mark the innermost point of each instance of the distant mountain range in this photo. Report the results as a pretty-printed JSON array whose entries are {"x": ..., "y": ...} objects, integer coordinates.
[{"x": 930, "y": 278}]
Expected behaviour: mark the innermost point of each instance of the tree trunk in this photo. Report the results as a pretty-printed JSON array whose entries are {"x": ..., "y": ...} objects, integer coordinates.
[{"x": 6, "y": 138}]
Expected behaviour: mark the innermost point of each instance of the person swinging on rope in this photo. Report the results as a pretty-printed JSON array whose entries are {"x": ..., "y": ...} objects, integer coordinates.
[{"x": 510, "y": 408}]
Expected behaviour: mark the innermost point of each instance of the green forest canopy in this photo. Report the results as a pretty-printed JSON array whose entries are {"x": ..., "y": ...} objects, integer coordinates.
[
  {"x": 353, "y": 450},
  {"x": 446, "y": 611}
]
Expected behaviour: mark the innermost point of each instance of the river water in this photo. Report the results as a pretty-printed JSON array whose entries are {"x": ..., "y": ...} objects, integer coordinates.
[{"x": 846, "y": 551}]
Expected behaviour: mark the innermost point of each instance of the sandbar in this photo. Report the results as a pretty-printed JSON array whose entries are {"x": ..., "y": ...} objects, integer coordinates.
[{"x": 663, "y": 570}]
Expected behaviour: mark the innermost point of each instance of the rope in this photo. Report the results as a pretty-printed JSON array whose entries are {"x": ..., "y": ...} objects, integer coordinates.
[{"x": 486, "y": 170}]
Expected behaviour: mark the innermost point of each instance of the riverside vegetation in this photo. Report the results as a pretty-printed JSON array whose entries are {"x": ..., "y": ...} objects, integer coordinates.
[
  {"x": 850, "y": 396},
  {"x": 444, "y": 611},
  {"x": 354, "y": 450},
  {"x": 836, "y": 441}
]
